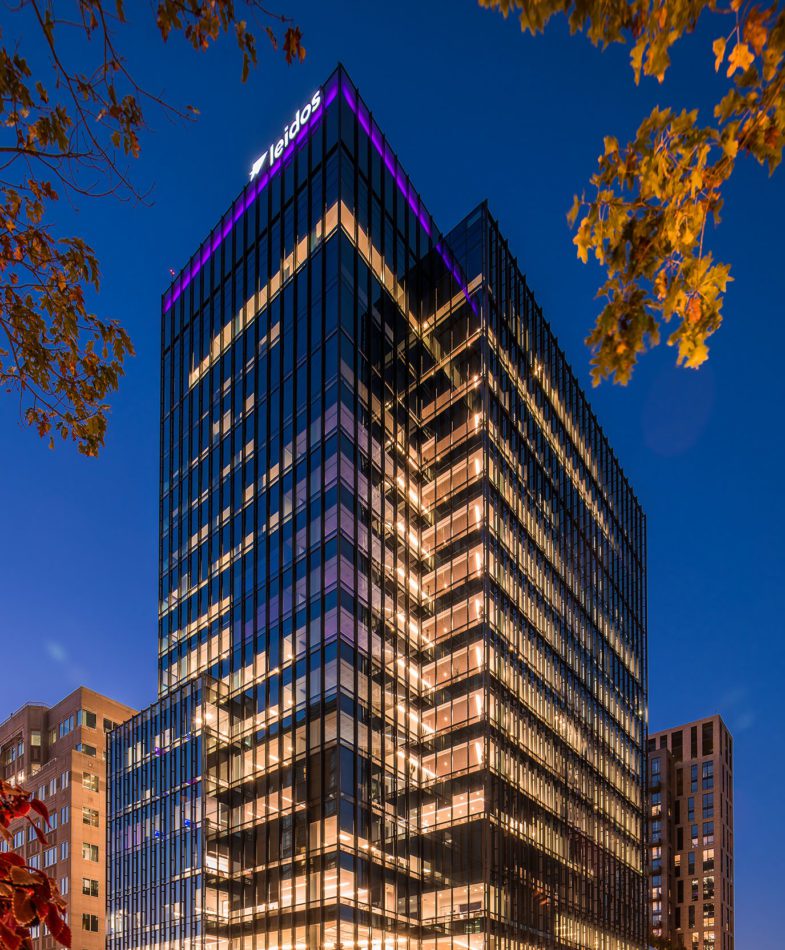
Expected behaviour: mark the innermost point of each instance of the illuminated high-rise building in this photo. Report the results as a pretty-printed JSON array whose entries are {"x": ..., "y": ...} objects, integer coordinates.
[{"x": 402, "y": 591}]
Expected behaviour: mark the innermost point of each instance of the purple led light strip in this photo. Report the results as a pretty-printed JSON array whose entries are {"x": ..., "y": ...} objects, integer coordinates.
[
  {"x": 403, "y": 186},
  {"x": 253, "y": 193},
  {"x": 251, "y": 196}
]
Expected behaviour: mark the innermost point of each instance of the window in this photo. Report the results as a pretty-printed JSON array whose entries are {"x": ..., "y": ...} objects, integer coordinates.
[
  {"x": 90, "y": 852},
  {"x": 90, "y": 816},
  {"x": 694, "y": 889},
  {"x": 89, "y": 887},
  {"x": 693, "y": 778},
  {"x": 19, "y": 838},
  {"x": 52, "y": 736},
  {"x": 708, "y": 860},
  {"x": 50, "y": 857},
  {"x": 65, "y": 727},
  {"x": 708, "y": 833},
  {"x": 63, "y": 850},
  {"x": 90, "y": 922},
  {"x": 65, "y": 780},
  {"x": 708, "y": 775},
  {"x": 691, "y": 808},
  {"x": 64, "y": 814},
  {"x": 86, "y": 749},
  {"x": 35, "y": 738},
  {"x": 86, "y": 718},
  {"x": 691, "y": 863},
  {"x": 693, "y": 836},
  {"x": 708, "y": 805},
  {"x": 707, "y": 738},
  {"x": 109, "y": 725},
  {"x": 677, "y": 747},
  {"x": 34, "y": 861},
  {"x": 63, "y": 885},
  {"x": 90, "y": 781}
]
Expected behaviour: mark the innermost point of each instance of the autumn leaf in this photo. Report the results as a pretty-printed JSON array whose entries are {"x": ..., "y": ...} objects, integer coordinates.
[
  {"x": 582, "y": 240},
  {"x": 61, "y": 360},
  {"x": 57, "y": 926},
  {"x": 292, "y": 45},
  {"x": 693, "y": 312},
  {"x": 755, "y": 32},
  {"x": 22, "y": 877},
  {"x": 718, "y": 46},
  {"x": 647, "y": 216},
  {"x": 740, "y": 58},
  {"x": 572, "y": 214},
  {"x": 23, "y": 909}
]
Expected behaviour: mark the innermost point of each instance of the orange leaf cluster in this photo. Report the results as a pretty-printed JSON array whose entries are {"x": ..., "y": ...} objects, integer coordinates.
[{"x": 654, "y": 200}]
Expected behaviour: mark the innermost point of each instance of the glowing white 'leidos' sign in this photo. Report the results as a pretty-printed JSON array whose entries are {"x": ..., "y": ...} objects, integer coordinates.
[{"x": 290, "y": 133}]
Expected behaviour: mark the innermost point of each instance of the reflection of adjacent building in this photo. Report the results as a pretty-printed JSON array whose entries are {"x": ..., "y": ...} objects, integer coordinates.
[
  {"x": 59, "y": 754},
  {"x": 402, "y": 623},
  {"x": 691, "y": 835}
]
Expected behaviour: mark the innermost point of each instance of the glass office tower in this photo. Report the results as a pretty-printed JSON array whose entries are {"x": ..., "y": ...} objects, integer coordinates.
[{"x": 402, "y": 657}]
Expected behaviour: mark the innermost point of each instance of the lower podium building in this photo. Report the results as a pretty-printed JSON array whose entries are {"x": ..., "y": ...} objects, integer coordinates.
[{"x": 402, "y": 656}]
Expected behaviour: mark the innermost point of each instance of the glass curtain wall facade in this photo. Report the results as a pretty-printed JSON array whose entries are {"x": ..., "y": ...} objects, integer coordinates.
[{"x": 399, "y": 556}]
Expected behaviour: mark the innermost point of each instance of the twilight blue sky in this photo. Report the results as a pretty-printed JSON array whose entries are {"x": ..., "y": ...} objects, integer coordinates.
[{"x": 474, "y": 109}]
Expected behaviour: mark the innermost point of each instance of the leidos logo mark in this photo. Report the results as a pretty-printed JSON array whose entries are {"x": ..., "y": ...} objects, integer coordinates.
[{"x": 289, "y": 134}]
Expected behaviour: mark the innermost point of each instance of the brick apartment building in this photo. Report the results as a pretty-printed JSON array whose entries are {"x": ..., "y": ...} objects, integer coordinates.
[
  {"x": 58, "y": 753},
  {"x": 691, "y": 835}
]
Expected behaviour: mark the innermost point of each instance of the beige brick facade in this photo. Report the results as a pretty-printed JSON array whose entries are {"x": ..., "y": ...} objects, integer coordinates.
[{"x": 59, "y": 754}]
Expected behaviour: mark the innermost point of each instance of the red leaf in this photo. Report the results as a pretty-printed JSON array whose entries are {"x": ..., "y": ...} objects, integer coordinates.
[
  {"x": 13, "y": 858},
  {"x": 9, "y": 938},
  {"x": 57, "y": 926},
  {"x": 38, "y": 833},
  {"x": 39, "y": 807},
  {"x": 24, "y": 911}
]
